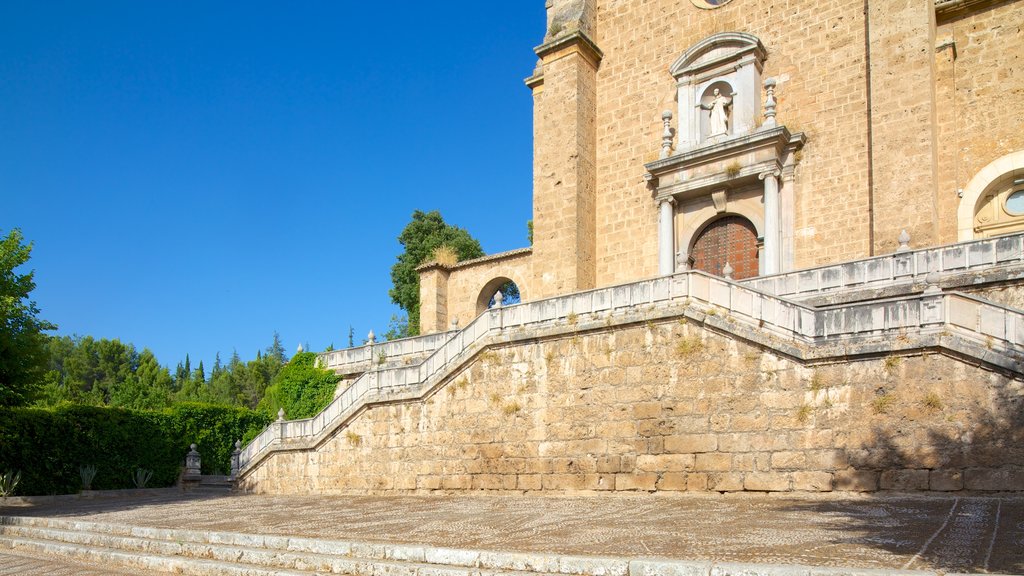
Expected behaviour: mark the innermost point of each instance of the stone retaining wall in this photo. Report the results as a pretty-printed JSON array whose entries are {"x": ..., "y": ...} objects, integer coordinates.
[{"x": 672, "y": 405}]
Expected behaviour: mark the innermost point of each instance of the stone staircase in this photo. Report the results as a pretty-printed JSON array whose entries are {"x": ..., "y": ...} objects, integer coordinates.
[{"x": 191, "y": 552}]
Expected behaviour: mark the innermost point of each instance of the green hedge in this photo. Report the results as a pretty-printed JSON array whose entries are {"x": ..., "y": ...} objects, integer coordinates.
[{"x": 49, "y": 445}]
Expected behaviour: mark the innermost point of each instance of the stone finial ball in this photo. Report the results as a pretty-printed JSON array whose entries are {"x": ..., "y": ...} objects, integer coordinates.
[
  {"x": 193, "y": 447},
  {"x": 769, "y": 82},
  {"x": 666, "y": 115}
]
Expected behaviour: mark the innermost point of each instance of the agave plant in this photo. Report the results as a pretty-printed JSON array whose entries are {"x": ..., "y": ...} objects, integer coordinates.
[
  {"x": 8, "y": 482},
  {"x": 141, "y": 477},
  {"x": 87, "y": 473}
]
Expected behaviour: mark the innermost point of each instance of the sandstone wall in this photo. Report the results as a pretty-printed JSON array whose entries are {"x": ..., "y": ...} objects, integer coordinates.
[
  {"x": 670, "y": 406},
  {"x": 979, "y": 86},
  {"x": 817, "y": 53}
]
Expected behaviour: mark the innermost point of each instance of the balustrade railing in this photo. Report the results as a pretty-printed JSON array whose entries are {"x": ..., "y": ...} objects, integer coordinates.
[
  {"x": 900, "y": 266},
  {"x": 733, "y": 302}
]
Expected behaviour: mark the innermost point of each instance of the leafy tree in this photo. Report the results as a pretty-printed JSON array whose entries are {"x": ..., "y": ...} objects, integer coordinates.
[
  {"x": 397, "y": 328},
  {"x": 300, "y": 388},
  {"x": 425, "y": 233},
  {"x": 23, "y": 346}
]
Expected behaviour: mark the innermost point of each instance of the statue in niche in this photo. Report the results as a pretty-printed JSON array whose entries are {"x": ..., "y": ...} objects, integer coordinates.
[{"x": 719, "y": 121}]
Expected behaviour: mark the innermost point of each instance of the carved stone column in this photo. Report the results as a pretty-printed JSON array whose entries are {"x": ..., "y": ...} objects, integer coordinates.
[
  {"x": 772, "y": 228},
  {"x": 666, "y": 237}
]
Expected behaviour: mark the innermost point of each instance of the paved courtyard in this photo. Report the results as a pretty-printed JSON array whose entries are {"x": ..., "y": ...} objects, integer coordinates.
[{"x": 957, "y": 534}]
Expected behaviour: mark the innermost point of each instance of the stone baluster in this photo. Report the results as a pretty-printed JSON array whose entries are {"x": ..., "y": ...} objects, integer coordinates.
[
  {"x": 904, "y": 242},
  {"x": 682, "y": 261},
  {"x": 666, "y": 134},
  {"x": 769, "y": 103}
]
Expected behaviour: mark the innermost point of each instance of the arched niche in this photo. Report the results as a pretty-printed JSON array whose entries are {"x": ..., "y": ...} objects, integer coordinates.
[
  {"x": 729, "y": 58},
  {"x": 989, "y": 204}
]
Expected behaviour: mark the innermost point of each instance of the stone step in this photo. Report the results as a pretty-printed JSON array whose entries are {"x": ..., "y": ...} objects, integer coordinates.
[
  {"x": 232, "y": 553},
  {"x": 208, "y": 553}
]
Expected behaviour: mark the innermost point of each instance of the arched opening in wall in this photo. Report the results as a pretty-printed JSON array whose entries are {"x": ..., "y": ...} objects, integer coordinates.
[
  {"x": 732, "y": 240},
  {"x": 510, "y": 294},
  {"x": 1000, "y": 209}
]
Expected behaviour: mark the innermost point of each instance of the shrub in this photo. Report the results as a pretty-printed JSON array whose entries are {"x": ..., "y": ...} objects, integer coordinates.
[
  {"x": 51, "y": 446},
  {"x": 300, "y": 388}
]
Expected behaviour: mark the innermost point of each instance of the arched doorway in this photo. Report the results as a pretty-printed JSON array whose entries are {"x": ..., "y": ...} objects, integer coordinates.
[
  {"x": 509, "y": 292},
  {"x": 731, "y": 239}
]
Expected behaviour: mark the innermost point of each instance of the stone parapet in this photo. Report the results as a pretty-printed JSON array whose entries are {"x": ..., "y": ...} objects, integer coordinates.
[{"x": 963, "y": 327}]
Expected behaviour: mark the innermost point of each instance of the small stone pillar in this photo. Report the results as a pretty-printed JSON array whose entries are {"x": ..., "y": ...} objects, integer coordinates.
[
  {"x": 666, "y": 237},
  {"x": 771, "y": 220},
  {"x": 236, "y": 456},
  {"x": 727, "y": 271},
  {"x": 193, "y": 469}
]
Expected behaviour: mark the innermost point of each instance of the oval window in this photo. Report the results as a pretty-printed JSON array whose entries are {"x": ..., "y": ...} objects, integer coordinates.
[
  {"x": 1015, "y": 203},
  {"x": 709, "y": 3}
]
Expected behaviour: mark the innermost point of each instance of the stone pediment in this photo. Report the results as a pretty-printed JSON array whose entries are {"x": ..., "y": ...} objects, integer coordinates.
[{"x": 717, "y": 51}]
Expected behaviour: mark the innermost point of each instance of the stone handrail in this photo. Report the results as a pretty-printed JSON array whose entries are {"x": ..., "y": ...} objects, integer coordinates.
[
  {"x": 766, "y": 313},
  {"x": 892, "y": 268},
  {"x": 362, "y": 358}
]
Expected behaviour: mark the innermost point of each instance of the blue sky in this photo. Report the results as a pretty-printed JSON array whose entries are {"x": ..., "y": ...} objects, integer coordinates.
[{"x": 196, "y": 175}]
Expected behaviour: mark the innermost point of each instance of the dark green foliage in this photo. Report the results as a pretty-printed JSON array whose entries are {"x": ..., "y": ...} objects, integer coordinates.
[
  {"x": 49, "y": 445},
  {"x": 300, "y": 388},
  {"x": 424, "y": 234},
  {"x": 22, "y": 342}
]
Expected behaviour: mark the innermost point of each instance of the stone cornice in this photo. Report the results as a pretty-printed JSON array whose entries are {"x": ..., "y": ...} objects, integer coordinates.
[
  {"x": 577, "y": 42},
  {"x": 467, "y": 263},
  {"x": 779, "y": 136}
]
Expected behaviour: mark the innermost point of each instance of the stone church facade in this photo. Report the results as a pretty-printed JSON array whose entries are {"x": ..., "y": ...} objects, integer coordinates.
[
  {"x": 848, "y": 122},
  {"x": 778, "y": 246}
]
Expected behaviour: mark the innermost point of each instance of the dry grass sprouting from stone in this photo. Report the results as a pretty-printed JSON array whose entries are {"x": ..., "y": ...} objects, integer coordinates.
[
  {"x": 689, "y": 346},
  {"x": 444, "y": 255},
  {"x": 883, "y": 404},
  {"x": 933, "y": 401},
  {"x": 353, "y": 438},
  {"x": 511, "y": 408}
]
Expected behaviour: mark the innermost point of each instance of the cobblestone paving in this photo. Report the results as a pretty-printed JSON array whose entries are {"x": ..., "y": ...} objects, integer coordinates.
[{"x": 963, "y": 534}]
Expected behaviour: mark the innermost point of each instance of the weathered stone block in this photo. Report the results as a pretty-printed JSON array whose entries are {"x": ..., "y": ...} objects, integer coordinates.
[
  {"x": 713, "y": 462},
  {"x": 641, "y": 481},
  {"x": 766, "y": 481},
  {"x": 457, "y": 482},
  {"x": 665, "y": 462},
  {"x": 673, "y": 481},
  {"x": 528, "y": 482},
  {"x": 904, "y": 480},
  {"x": 994, "y": 480},
  {"x": 789, "y": 460},
  {"x": 946, "y": 480},
  {"x": 812, "y": 481},
  {"x": 697, "y": 481},
  {"x": 691, "y": 443},
  {"x": 428, "y": 482},
  {"x": 725, "y": 481},
  {"x": 607, "y": 464},
  {"x": 487, "y": 482},
  {"x": 856, "y": 480}
]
